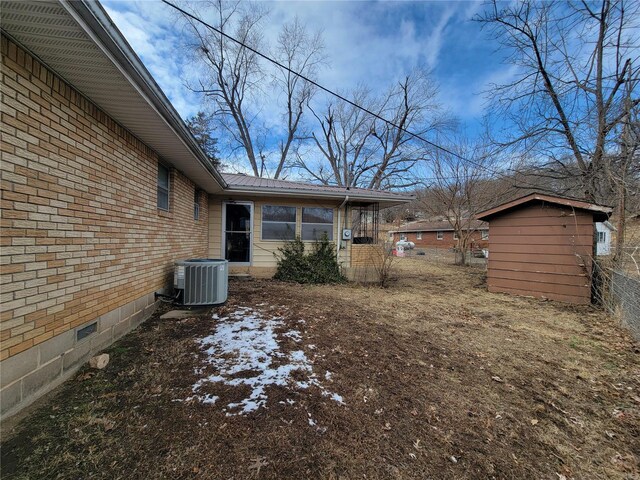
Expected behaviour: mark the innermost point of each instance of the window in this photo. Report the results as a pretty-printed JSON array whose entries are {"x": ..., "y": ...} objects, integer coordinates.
[
  {"x": 455, "y": 235},
  {"x": 163, "y": 187},
  {"x": 439, "y": 235},
  {"x": 602, "y": 237},
  {"x": 485, "y": 234},
  {"x": 196, "y": 204},
  {"x": 316, "y": 222},
  {"x": 403, "y": 237},
  {"x": 278, "y": 223},
  {"x": 419, "y": 236}
]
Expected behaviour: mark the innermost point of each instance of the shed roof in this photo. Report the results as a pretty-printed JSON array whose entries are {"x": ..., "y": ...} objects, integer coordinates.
[
  {"x": 600, "y": 212},
  {"x": 247, "y": 184},
  {"x": 79, "y": 42},
  {"x": 438, "y": 226}
]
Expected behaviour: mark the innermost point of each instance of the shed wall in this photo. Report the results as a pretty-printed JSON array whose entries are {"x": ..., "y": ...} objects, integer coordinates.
[{"x": 543, "y": 251}]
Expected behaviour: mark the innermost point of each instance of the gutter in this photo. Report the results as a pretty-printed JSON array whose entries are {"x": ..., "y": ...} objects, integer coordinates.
[
  {"x": 294, "y": 192},
  {"x": 106, "y": 35}
]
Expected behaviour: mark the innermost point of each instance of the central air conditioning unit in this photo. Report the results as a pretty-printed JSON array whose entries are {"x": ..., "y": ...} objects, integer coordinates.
[{"x": 201, "y": 281}]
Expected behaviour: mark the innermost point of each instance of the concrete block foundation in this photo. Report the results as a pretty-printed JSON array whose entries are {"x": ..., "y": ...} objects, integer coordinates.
[{"x": 29, "y": 375}]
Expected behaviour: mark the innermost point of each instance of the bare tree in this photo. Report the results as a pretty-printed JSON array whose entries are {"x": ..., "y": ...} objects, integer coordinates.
[
  {"x": 360, "y": 150},
  {"x": 343, "y": 141},
  {"x": 572, "y": 60},
  {"x": 301, "y": 52},
  {"x": 410, "y": 106},
  {"x": 461, "y": 188},
  {"x": 625, "y": 171},
  {"x": 232, "y": 75}
]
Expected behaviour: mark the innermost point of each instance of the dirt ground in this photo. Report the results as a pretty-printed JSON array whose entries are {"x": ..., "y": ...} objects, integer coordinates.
[{"x": 439, "y": 379}]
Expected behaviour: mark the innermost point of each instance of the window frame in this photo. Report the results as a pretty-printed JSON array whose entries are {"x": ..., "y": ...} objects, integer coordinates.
[
  {"x": 302, "y": 223},
  {"x": 418, "y": 235},
  {"x": 162, "y": 187},
  {"x": 455, "y": 235},
  {"x": 484, "y": 234},
  {"x": 196, "y": 205},
  {"x": 262, "y": 222},
  {"x": 439, "y": 234}
]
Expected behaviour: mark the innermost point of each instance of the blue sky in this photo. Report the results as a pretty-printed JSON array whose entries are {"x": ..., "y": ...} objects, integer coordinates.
[{"x": 369, "y": 43}]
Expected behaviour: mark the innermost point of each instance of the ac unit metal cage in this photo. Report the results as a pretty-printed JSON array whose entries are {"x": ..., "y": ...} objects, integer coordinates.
[{"x": 202, "y": 281}]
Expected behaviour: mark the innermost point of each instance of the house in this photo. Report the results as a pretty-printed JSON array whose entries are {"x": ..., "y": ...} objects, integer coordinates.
[
  {"x": 603, "y": 237},
  {"x": 104, "y": 188},
  {"x": 440, "y": 234},
  {"x": 543, "y": 246},
  {"x": 253, "y": 218}
]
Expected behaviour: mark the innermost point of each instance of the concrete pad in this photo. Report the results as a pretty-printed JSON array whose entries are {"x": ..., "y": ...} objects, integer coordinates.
[{"x": 178, "y": 314}]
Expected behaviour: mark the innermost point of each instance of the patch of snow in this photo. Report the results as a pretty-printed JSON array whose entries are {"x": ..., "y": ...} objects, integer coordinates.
[
  {"x": 244, "y": 351},
  {"x": 293, "y": 335}
]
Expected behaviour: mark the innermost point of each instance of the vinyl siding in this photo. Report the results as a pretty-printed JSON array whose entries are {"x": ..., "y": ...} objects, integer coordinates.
[
  {"x": 542, "y": 251},
  {"x": 263, "y": 260}
]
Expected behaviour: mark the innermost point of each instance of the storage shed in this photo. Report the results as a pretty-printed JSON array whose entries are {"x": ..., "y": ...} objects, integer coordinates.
[{"x": 542, "y": 246}]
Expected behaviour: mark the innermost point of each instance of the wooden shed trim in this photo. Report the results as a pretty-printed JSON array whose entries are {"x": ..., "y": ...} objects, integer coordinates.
[{"x": 601, "y": 212}]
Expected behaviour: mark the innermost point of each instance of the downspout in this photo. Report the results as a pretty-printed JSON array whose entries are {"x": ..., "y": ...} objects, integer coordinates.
[{"x": 346, "y": 199}]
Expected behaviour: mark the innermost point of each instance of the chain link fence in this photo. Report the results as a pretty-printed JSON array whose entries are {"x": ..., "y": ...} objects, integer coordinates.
[
  {"x": 447, "y": 256},
  {"x": 617, "y": 289}
]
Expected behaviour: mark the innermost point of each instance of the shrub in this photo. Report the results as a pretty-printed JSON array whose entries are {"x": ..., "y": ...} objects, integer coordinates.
[{"x": 318, "y": 266}]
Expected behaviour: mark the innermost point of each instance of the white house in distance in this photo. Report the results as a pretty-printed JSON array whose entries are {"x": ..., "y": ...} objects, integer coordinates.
[{"x": 603, "y": 237}]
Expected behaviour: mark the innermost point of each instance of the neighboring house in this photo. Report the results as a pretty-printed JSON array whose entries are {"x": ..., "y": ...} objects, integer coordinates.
[
  {"x": 104, "y": 188},
  {"x": 440, "y": 234},
  {"x": 603, "y": 237},
  {"x": 543, "y": 246}
]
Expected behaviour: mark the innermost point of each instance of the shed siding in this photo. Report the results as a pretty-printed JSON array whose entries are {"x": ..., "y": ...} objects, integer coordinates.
[{"x": 542, "y": 251}]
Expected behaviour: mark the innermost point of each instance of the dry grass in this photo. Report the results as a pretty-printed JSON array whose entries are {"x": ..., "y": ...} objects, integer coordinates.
[{"x": 441, "y": 379}]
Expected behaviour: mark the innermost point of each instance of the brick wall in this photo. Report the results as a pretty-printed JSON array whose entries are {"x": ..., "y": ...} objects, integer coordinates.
[{"x": 81, "y": 233}]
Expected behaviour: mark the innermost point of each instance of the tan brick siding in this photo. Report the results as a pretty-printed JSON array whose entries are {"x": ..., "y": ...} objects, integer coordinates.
[{"x": 81, "y": 234}]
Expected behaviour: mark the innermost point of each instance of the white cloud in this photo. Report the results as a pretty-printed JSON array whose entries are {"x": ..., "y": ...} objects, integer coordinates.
[
  {"x": 367, "y": 43},
  {"x": 150, "y": 30}
]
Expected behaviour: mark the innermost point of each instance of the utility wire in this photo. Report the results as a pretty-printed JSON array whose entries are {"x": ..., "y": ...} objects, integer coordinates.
[{"x": 341, "y": 97}]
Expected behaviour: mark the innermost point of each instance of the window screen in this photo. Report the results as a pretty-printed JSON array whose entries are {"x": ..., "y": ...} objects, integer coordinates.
[
  {"x": 196, "y": 204},
  {"x": 163, "y": 187},
  {"x": 278, "y": 223},
  {"x": 316, "y": 222}
]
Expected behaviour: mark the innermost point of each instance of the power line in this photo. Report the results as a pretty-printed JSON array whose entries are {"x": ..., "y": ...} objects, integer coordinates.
[{"x": 337, "y": 95}]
